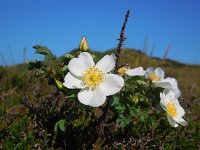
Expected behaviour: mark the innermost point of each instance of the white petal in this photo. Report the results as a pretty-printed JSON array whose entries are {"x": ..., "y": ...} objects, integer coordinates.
[
  {"x": 139, "y": 71},
  {"x": 170, "y": 94},
  {"x": 112, "y": 84},
  {"x": 72, "y": 82},
  {"x": 77, "y": 65},
  {"x": 164, "y": 98},
  {"x": 160, "y": 73},
  {"x": 162, "y": 101},
  {"x": 176, "y": 91},
  {"x": 163, "y": 105},
  {"x": 94, "y": 98},
  {"x": 180, "y": 110},
  {"x": 149, "y": 71},
  {"x": 167, "y": 83},
  {"x": 180, "y": 121},
  {"x": 107, "y": 63},
  {"x": 172, "y": 122},
  {"x": 163, "y": 84}
]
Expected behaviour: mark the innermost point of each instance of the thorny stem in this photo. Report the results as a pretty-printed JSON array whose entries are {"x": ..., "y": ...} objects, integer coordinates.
[
  {"x": 121, "y": 41},
  {"x": 119, "y": 48}
]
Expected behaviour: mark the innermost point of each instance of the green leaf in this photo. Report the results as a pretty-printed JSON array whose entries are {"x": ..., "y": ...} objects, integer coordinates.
[
  {"x": 120, "y": 108},
  {"x": 133, "y": 112},
  {"x": 61, "y": 124},
  {"x": 114, "y": 100},
  {"x": 49, "y": 57},
  {"x": 122, "y": 124},
  {"x": 35, "y": 64},
  {"x": 127, "y": 120},
  {"x": 150, "y": 122},
  {"x": 42, "y": 50},
  {"x": 64, "y": 68},
  {"x": 72, "y": 96},
  {"x": 69, "y": 56},
  {"x": 140, "y": 82},
  {"x": 118, "y": 120},
  {"x": 143, "y": 115},
  {"x": 121, "y": 116},
  {"x": 80, "y": 121},
  {"x": 56, "y": 127}
]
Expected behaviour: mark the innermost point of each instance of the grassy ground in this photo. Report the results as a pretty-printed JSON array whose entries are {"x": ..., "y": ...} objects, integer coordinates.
[{"x": 20, "y": 130}]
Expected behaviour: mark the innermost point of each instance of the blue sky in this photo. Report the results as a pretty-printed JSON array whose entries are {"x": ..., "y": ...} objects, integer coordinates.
[{"x": 60, "y": 24}]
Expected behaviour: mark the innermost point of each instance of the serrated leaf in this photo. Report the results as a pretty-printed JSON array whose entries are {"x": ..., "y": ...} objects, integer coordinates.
[
  {"x": 115, "y": 101},
  {"x": 121, "y": 116},
  {"x": 118, "y": 120},
  {"x": 127, "y": 120},
  {"x": 122, "y": 124},
  {"x": 133, "y": 112},
  {"x": 120, "y": 108},
  {"x": 42, "y": 50}
]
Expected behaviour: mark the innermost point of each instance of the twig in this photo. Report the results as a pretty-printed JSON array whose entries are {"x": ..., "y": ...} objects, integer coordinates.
[
  {"x": 153, "y": 49},
  {"x": 166, "y": 54},
  {"x": 24, "y": 55},
  {"x": 117, "y": 65},
  {"x": 11, "y": 54},
  {"x": 145, "y": 46},
  {"x": 121, "y": 41}
]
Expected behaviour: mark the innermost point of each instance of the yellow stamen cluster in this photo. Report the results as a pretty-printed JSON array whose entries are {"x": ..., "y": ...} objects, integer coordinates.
[
  {"x": 122, "y": 71},
  {"x": 93, "y": 77},
  {"x": 154, "y": 77},
  {"x": 171, "y": 109}
]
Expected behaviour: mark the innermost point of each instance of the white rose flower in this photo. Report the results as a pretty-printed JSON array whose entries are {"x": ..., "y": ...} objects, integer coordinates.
[
  {"x": 174, "y": 111},
  {"x": 156, "y": 75},
  {"x": 95, "y": 81},
  {"x": 169, "y": 84}
]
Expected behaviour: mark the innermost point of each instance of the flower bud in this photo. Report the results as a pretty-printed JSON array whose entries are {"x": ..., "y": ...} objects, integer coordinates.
[
  {"x": 83, "y": 44},
  {"x": 59, "y": 84},
  {"x": 135, "y": 99}
]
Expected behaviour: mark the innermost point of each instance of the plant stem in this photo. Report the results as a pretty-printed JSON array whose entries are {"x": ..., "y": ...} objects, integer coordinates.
[
  {"x": 121, "y": 41},
  {"x": 119, "y": 48}
]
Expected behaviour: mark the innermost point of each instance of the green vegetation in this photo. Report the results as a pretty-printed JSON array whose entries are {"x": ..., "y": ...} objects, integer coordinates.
[{"x": 36, "y": 115}]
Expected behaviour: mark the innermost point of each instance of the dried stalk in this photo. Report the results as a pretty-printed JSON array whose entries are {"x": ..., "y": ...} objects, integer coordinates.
[
  {"x": 121, "y": 41},
  {"x": 117, "y": 65}
]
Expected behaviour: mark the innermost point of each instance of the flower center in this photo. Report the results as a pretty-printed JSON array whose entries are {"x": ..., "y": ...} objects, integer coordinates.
[
  {"x": 171, "y": 109},
  {"x": 154, "y": 77},
  {"x": 93, "y": 77},
  {"x": 122, "y": 71}
]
